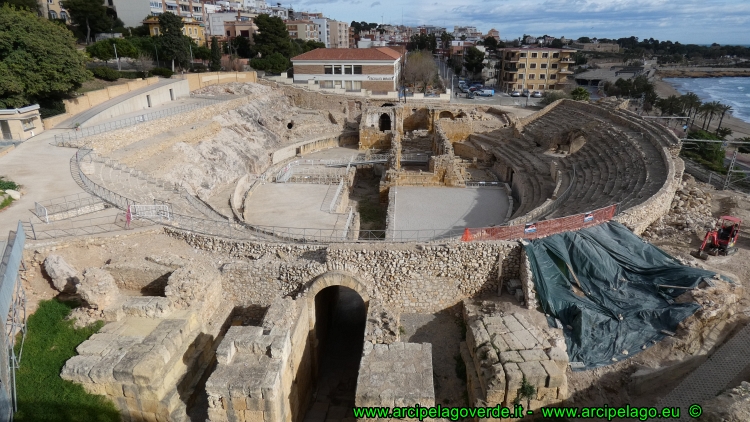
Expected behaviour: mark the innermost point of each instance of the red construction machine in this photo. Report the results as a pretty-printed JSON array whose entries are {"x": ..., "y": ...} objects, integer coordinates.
[{"x": 721, "y": 239}]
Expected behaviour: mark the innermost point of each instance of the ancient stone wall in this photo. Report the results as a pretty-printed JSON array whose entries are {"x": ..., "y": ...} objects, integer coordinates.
[
  {"x": 457, "y": 130},
  {"x": 407, "y": 277}
]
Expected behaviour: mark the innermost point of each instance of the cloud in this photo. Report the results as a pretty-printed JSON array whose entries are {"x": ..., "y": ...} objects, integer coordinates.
[{"x": 377, "y": 3}]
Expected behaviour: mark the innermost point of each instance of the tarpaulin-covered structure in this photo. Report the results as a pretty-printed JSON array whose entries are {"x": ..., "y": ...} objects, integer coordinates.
[{"x": 608, "y": 288}]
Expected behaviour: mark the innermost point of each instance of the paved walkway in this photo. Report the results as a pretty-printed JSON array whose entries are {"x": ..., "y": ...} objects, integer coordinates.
[
  {"x": 99, "y": 108},
  {"x": 712, "y": 377}
]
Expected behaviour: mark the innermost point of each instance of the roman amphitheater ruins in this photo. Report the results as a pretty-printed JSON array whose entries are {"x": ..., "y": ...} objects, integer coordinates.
[{"x": 309, "y": 234}]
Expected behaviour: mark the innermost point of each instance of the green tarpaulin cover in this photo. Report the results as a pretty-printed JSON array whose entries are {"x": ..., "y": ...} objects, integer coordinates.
[{"x": 603, "y": 282}]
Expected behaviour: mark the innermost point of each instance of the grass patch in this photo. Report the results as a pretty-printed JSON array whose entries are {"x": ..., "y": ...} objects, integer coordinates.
[
  {"x": 6, "y": 202},
  {"x": 372, "y": 212},
  {"x": 42, "y": 394}
]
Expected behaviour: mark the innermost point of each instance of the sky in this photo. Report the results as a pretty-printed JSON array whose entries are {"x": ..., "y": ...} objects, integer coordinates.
[{"x": 686, "y": 21}]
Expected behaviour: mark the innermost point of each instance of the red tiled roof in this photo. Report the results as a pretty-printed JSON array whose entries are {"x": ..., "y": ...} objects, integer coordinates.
[{"x": 380, "y": 53}]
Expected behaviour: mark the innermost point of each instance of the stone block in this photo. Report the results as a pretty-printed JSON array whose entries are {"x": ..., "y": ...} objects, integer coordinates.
[
  {"x": 253, "y": 416},
  {"x": 556, "y": 375},
  {"x": 533, "y": 354},
  {"x": 528, "y": 340},
  {"x": 513, "y": 342},
  {"x": 238, "y": 404},
  {"x": 512, "y": 323},
  {"x": 511, "y": 356},
  {"x": 559, "y": 356},
  {"x": 77, "y": 368},
  {"x": 64, "y": 276},
  {"x": 514, "y": 381},
  {"x": 546, "y": 394},
  {"x": 534, "y": 373}
]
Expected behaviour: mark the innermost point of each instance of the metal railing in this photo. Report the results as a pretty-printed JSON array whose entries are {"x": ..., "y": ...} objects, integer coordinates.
[
  {"x": 83, "y": 227},
  {"x": 72, "y": 139},
  {"x": 336, "y": 197},
  {"x": 50, "y": 207}
]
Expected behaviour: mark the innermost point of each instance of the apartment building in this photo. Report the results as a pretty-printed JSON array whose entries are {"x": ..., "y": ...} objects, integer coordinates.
[
  {"x": 339, "y": 34},
  {"x": 494, "y": 33},
  {"x": 374, "y": 69},
  {"x": 53, "y": 10},
  {"x": 131, "y": 12},
  {"x": 192, "y": 28},
  {"x": 305, "y": 30},
  {"x": 535, "y": 69},
  {"x": 216, "y": 23}
]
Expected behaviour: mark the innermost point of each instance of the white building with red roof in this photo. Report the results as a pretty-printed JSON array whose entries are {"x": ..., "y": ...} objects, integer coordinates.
[{"x": 353, "y": 69}]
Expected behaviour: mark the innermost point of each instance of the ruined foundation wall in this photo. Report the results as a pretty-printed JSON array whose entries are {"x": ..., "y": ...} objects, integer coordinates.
[{"x": 408, "y": 277}]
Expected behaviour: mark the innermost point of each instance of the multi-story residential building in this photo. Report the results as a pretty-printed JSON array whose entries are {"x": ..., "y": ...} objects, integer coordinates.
[
  {"x": 191, "y": 28},
  {"x": 216, "y": 22},
  {"x": 53, "y": 10},
  {"x": 239, "y": 27},
  {"x": 324, "y": 31},
  {"x": 494, "y": 33},
  {"x": 131, "y": 12},
  {"x": 302, "y": 30},
  {"x": 339, "y": 34},
  {"x": 353, "y": 69},
  {"x": 429, "y": 29},
  {"x": 535, "y": 69},
  {"x": 306, "y": 16}
]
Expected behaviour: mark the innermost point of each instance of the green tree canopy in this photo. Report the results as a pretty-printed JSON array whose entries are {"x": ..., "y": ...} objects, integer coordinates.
[
  {"x": 580, "y": 94},
  {"x": 105, "y": 49},
  {"x": 215, "y": 65},
  {"x": 584, "y": 40},
  {"x": 275, "y": 63},
  {"x": 272, "y": 37},
  {"x": 556, "y": 43},
  {"x": 30, "y": 5},
  {"x": 302, "y": 46},
  {"x": 419, "y": 42},
  {"x": 173, "y": 45},
  {"x": 38, "y": 59},
  {"x": 490, "y": 43},
  {"x": 473, "y": 60},
  {"x": 90, "y": 17}
]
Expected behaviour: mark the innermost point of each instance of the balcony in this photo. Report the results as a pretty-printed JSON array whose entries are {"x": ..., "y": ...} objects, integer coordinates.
[
  {"x": 512, "y": 69},
  {"x": 511, "y": 59},
  {"x": 565, "y": 70},
  {"x": 567, "y": 60}
]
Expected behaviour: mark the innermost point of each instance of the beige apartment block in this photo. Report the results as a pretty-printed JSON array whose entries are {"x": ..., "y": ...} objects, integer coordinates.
[
  {"x": 53, "y": 10},
  {"x": 339, "y": 34},
  {"x": 535, "y": 69},
  {"x": 305, "y": 30},
  {"x": 18, "y": 124}
]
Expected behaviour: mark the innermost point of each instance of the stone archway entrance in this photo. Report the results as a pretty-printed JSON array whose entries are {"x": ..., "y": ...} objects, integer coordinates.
[
  {"x": 338, "y": 312},
  {"x": 384, "y": 122}
]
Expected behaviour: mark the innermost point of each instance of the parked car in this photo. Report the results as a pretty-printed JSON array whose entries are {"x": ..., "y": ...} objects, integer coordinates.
[
  {"x": 486, "y": 92},
  {"x": 464, "y": 89},
  {"x": 470, "y": 96},
  {"x": 536, "y": 94},
  {"x": 525, "y": 93},
  {"x": 515, "y": 94}
]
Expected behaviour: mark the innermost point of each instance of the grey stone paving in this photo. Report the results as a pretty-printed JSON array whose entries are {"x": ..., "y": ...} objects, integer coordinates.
[
  {"x": 712, "y": 377},
  {"x": 290, "y": 205},
  {"x": 441, "y": 209}
]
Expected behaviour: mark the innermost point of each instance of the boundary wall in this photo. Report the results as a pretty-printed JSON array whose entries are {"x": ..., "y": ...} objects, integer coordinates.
[
  {"x": 201, "y": 80},
  {"x": 93, "y": 98}
]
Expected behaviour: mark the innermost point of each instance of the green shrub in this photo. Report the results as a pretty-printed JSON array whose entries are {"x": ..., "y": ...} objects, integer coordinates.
[
  {"x": 161, "y": 71},
  {"x": 131, "y": 74},
  {"x": 7, "y": 184},
  {"x": 105, "y": 73},
  {"x": 198, "y": 68}
]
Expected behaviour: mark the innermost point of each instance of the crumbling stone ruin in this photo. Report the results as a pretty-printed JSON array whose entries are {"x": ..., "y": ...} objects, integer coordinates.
[{"x": 243, "y": 328}]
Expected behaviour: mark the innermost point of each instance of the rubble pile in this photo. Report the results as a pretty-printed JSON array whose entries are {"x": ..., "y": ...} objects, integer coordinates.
[{"x": 690, "y": 212}]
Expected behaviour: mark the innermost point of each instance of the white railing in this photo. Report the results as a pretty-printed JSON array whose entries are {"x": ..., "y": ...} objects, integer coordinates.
[
  {"x": 335, "y": 200},
  {"x": 41, "y": 212},
  {"x": 151, "y": 211}
]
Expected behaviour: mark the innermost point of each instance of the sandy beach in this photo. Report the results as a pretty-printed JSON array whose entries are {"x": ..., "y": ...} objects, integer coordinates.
[{"x": 741, "y": 128}]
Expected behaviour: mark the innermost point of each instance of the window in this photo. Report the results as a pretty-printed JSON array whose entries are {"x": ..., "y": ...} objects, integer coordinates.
[
  {"x": 544, "y": 65},
  {"x": 229, "y": 34},
  {"x": 523, "y": 55},
  {"x": 52, "y": 14},
  {"x": 328, "y": 70},
  {"x": 532, "y": 76},
  {"x": 553, "y": 76},
  {"x": 545, "y": 55},
  {"x": 551, "y": 87},
  {"x": 532, "y": 66},
  {"x": 245, "y": 33},
  {"x": 337, "y": 70},
  {"x": 554, "y": 65},
  {"x": 156, "y": 32},
  {"x": 541, "y": 86},
  {"x": 357, "y": 69},
  {"x": 555, "y": 55},
  {"x": 542, "y": 76},
  {"x": 522, "y": 65},
  {"x": 28, "y": 124},
  {"x": 196, "y": 9},
  {"x": 64, "y": 16},
  {"x": 533, "y": 55},
  {"x": 50, "y": 1},
  {"x": 326, "y": 84},
  {"x": 520, "y": 76},
  {"x": 353, "y": 85},
  {"x": 347, "y": 70}
]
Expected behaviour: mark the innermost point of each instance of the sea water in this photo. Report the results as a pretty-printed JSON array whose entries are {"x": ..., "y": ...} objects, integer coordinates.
[{"x": 730, "y": 91}]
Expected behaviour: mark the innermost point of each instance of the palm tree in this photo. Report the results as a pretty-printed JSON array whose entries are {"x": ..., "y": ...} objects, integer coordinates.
[
  {"x": 707, "y": 111},
  {"x": 723, "y": 109},
  {"x": 691, "y": 102}
]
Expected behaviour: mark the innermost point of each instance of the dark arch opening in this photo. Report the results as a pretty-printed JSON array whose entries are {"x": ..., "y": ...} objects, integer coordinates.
[
  {"x": 387, "y": 105},
  {"x": 446, "y": 115},
  {"x": 290, "y": 125},
  {"x": 385, "y": 122},
  {"x": 340, "y": 316}
]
